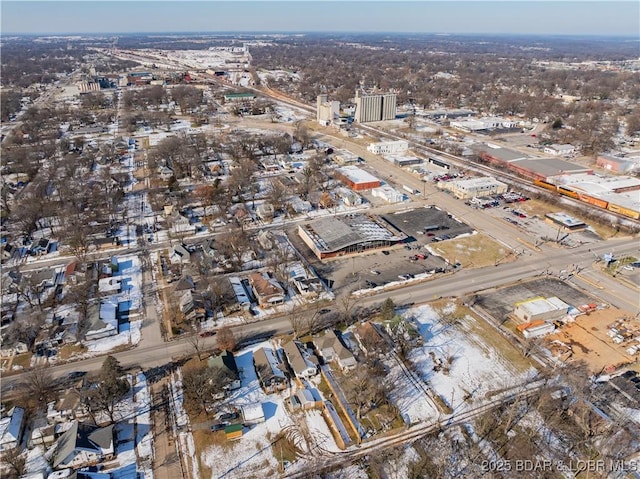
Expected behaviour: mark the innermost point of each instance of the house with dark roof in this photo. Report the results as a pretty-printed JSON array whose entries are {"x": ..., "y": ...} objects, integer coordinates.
[
  {"x": 84, "y": 445},
  {"x": 227, "y": 362},
  {"x": 266, "y": 289}
]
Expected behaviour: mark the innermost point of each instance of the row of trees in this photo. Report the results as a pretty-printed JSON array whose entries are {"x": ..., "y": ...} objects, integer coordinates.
[{"x": 508, "y": 84}]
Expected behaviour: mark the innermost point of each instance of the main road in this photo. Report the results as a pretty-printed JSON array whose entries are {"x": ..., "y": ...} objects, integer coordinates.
[{"x": 462, "y": 282}]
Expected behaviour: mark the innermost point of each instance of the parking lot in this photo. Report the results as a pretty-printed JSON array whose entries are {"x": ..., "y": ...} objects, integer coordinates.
[
  {"x": 528, "y": 217},
  {"x": 501, "y": 303},
  {"x": 427, "y": 225}
]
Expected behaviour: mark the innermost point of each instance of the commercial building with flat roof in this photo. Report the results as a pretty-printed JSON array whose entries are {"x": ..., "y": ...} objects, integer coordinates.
[
  {"x": 357, "y": 179},
  {"x": 375, "y": 107},
  {"x": 388, "y": 147},
  {"x": 539, "y": 308},
  {"x": 525, "y": 165},
  {"x": 336, "y": 236},
  {"x": 474, "y": 187},
  {"x": 619, "y": 164},
  {"x": 569, "y": 223}
]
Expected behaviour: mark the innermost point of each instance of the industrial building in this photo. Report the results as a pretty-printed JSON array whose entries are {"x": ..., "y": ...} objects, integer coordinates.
[
  {"x": 560, "y": 150},
  {"x": 388, "y": 194},
  {"x": 474, "y": 187},
  {"x": 375, "y": 107},
  {"x": 357, "y": 179},
  {"x": 541, "y": 309},
  {"x": 482, "y": 124},
  {"x": 333, "y": 236},
  {"x": 563, "y": 220},
  {"x": 388, "y": 147},
  {"x": 618, "y": 163},
  {"x": 326, "y": 111},
  {"x": 527, "y": 166}
]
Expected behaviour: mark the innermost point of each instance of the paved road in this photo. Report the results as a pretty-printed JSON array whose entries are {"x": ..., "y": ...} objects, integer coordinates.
[
  {"x": 460, "y": 283},
  {"x": 152, "y": 351}
]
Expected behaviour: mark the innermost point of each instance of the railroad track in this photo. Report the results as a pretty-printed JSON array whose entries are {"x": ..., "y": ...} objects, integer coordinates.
[{"x": 337, "y": 459}]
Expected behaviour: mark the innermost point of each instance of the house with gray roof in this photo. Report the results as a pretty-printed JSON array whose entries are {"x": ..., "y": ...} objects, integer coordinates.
[
  {"x": 84, "y": 445},
  {"x": 270, "y": 370},
  {"x": 332, "y": 349},
  {"x": 299, "y": 365}
]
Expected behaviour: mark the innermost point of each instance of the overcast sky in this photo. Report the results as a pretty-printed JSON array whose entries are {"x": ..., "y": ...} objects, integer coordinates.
[{"x": 515, "y": 16}]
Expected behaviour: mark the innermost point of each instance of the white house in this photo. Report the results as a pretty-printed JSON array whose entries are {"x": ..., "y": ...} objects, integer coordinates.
[{"x": 560, "y": 150}]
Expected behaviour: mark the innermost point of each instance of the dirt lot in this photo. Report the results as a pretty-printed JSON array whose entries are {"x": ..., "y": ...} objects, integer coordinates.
[
  {"x": 588, "y": 340},
  {"x": 473, "y": 251}
]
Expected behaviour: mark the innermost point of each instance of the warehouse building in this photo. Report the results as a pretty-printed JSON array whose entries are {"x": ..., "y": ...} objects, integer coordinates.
[
  {"x": 541, "y": 309},
  {"x": 388, "y": 147},
  {"x": 357, "y": 179},
  {"x": 333, "y": 236},
  {"x": 618, "y": 163},
  {"x": 474, "y": 187},
  {"x": 527, "y": 166}
]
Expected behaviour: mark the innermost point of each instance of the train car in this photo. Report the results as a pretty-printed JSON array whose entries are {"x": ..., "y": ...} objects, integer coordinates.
[
  {"x": 624, "y": 211},
  {"x": 544, "y": 184},
  {"x": 594, "y": 201},
  {"x": 566, "y": 192}
]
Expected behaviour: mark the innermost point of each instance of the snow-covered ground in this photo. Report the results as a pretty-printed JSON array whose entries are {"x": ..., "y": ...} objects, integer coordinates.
[
  {"x": 458, "y": 366},
  {"x": 252, "y": 454},
  {"x": 130, "y": 273},
  {"x": 408, "y": 396}
]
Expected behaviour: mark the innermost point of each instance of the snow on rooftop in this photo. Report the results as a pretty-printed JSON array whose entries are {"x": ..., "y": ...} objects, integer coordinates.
[
  {"x": 357, "y": 175},
  {"x": 252, "y": 454}
]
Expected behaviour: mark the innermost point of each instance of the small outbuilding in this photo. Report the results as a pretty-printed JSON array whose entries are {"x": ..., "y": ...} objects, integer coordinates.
[
  {"x": 252, "y": 413},
  {"x": 233, "y": 432}
]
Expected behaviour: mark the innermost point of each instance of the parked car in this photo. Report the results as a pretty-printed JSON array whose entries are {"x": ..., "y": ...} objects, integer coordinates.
[{"x": 206, "y": 334}]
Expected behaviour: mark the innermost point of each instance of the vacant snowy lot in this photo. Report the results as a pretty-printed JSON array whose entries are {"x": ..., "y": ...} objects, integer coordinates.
[{"x": 459, "y": 365}]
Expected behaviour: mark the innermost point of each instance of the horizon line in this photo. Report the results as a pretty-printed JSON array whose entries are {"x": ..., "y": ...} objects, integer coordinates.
[{"x": 314, "y": 32}]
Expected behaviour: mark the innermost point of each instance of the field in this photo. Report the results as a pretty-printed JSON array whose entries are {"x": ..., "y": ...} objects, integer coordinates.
[
  {"x": 457, "y": 361},
  {"x": 473, "y": 251}
]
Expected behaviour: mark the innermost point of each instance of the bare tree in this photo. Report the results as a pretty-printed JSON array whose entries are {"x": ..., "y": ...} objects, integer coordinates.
[
  {"x": 226, "y": 339},
  {"x": 16, "y": 462},
  {"x": 110, "y": 389},
  {"x": 39, "y": 386},
  {"x": 196, "y": 344}
]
